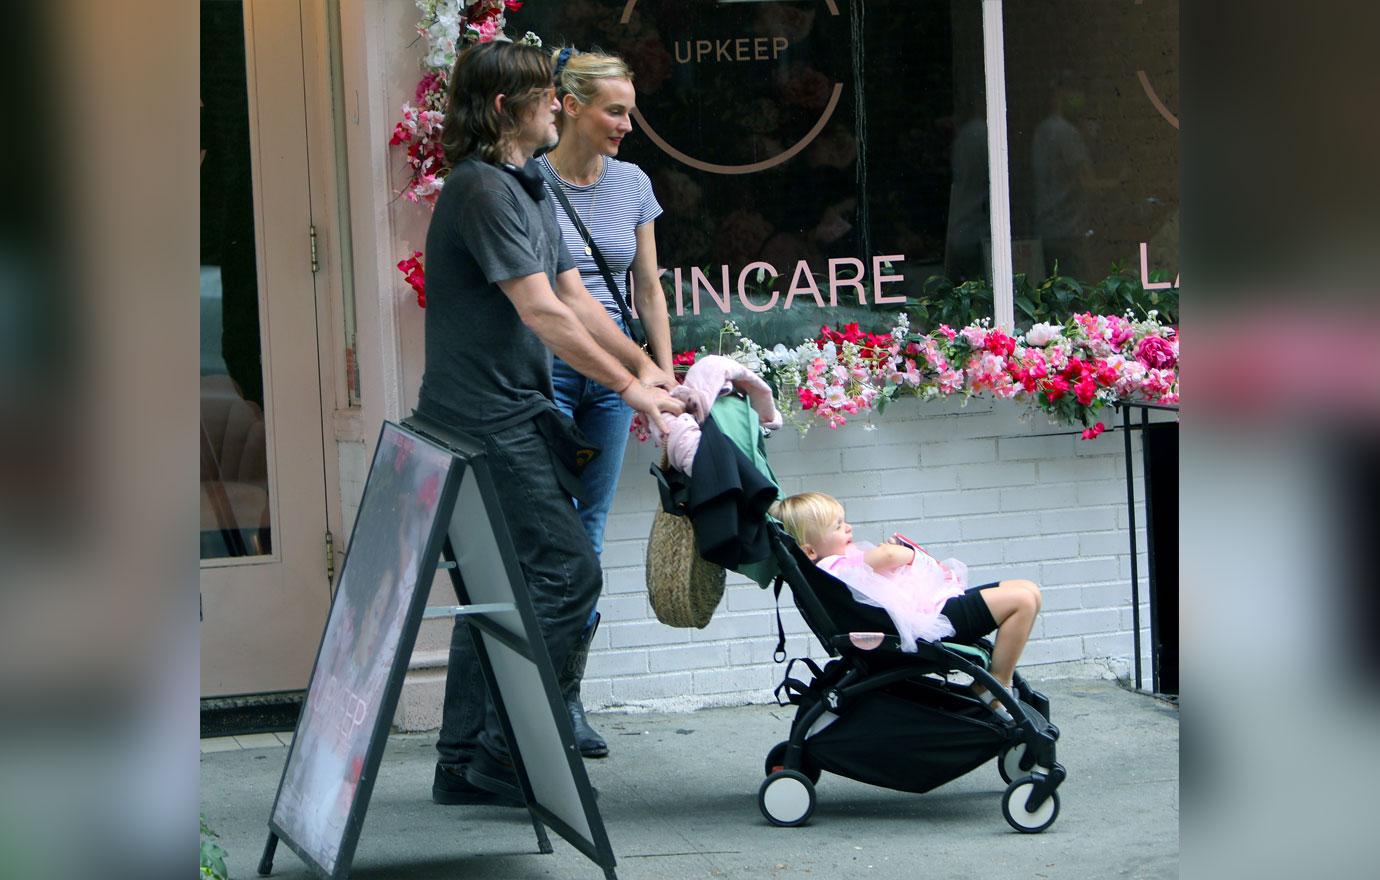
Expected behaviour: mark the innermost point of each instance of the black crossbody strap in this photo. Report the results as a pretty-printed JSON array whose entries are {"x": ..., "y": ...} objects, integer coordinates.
[{"x": 594, "y": 251}]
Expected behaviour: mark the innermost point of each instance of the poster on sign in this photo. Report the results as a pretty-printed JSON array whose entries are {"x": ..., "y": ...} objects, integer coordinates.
[{"x": 369, "y": 635}]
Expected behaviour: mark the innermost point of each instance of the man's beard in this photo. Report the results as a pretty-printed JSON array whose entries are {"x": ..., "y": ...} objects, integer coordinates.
[{"x": 548, "y": 146}]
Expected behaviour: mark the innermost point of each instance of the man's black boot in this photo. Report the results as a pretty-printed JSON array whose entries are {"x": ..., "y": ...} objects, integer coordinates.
[{"x": 590, "y": 743}]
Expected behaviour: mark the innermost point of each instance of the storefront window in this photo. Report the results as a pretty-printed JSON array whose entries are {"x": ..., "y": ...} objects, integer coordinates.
[
  {"x": 819, "y": 161},
  {"x": 1092, "y": 92}
]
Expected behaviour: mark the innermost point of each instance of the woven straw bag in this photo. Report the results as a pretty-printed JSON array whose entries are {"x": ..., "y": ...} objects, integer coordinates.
[{"x": 684, "y": 589}]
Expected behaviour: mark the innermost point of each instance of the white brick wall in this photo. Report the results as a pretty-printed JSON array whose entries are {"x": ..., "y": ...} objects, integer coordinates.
[{"x": 1011, "y": 497}]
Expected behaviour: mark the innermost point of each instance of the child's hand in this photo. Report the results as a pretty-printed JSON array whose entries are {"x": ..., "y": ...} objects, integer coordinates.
[{"x": 889, "y": 556}]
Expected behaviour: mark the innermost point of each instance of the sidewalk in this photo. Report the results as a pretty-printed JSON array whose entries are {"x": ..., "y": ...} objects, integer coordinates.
[{"x": 678, "y": 796}]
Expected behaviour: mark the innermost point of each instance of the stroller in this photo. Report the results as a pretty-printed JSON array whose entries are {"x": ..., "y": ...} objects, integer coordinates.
[
  {"x": 894, "y": 719},
  {"x": 874, "y": 713}
]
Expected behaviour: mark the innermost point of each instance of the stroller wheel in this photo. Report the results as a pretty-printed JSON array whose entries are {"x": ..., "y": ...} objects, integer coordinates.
[
  {"x": 1009, "y": 763},
  {"x": 1013, "y": 807},
  {"x": 786, "y": 798},
  {"x": 776, "y": 761}
]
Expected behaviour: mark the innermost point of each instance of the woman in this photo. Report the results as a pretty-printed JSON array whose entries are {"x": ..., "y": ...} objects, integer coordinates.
[{"x": 614, "y": 201}]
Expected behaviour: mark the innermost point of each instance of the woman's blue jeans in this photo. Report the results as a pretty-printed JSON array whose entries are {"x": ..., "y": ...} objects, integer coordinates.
[{"x": 605, "y": 419}]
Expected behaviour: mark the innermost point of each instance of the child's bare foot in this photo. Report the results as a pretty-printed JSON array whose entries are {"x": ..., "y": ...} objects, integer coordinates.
[{"x": 990, "y": 701}]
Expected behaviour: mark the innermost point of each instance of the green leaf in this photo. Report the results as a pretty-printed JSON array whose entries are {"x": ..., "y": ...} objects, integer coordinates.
[{"x": 213, "y": 860}]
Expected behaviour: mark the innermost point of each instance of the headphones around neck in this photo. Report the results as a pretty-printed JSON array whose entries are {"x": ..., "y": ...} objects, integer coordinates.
[{"x": 529, "y": 177}]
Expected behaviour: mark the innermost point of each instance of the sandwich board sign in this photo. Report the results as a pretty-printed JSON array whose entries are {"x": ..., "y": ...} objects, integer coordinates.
[{"x": 429, "y": 495}]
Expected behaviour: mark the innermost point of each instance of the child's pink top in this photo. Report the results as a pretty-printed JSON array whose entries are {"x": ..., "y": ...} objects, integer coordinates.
[{"x": 912, "y": 594}]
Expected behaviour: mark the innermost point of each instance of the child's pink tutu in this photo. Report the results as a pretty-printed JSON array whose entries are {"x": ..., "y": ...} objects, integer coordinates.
[{"x": 913, "y": 595}]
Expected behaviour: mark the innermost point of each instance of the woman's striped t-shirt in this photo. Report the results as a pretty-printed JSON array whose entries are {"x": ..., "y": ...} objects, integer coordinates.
[{"x": 611, "y": 208}]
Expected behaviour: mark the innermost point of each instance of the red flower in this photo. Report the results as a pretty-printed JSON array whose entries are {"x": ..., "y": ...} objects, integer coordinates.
[
  {"x": 415, "y": 275},
  {"x": 1105, "y": 373},
  {"x": 1085, "y": 390},
  {"x": 684, "y": 359},
  {"x": 849, "y": 333},
  {"x": 512, "y": 5},
  {"x": 1056, "y": 388},
  {"x": 809, "y": 399},
  {"x": 1091, "y": 433},
  {"x": 1001, "y": 344}
]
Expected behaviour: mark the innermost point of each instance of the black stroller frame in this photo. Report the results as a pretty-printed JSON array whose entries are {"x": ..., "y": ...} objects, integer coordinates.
[{"x": 871, "y": 670}]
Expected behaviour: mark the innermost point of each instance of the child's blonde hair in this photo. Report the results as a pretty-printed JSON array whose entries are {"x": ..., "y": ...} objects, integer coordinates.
[
  {"x": 807, "y": 516},
  {"x": 581, "y": 72}
]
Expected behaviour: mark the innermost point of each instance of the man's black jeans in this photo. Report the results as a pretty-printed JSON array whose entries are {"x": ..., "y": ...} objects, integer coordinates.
[{"x": 563, "y": 579}]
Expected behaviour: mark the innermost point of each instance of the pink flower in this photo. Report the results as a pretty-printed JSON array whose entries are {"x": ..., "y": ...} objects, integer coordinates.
[
  {"x": 948, "y": 332},
  {"x": 1091, "y": 433},
  {"x": 488, "y": 29},
  {"x": 429, "y": 83},
  {"x": 912, "y": 372},
  {"x": 1156, "y": 352},
  {"x": 1129, "y": 377},
  {"x": 1121, "y": 330}
]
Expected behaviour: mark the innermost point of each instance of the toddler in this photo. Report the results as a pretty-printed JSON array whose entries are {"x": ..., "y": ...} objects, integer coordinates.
[{"x": 925, "y": 598}]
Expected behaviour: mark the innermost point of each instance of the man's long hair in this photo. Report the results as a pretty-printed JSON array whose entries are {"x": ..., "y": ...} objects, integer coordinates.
[{"x": 482, "y": 72}]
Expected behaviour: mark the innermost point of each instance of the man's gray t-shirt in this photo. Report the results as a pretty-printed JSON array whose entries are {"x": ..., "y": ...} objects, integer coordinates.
[{"x": 483, "y": 366}]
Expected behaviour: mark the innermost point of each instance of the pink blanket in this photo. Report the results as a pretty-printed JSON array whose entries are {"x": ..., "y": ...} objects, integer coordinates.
[{"x": 710, "y": 377}]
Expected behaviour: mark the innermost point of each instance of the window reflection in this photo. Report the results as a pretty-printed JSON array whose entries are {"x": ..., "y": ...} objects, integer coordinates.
[{"x": 234, "y": 462}]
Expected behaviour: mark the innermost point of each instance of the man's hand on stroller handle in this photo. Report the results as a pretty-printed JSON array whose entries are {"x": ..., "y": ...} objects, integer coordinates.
[{"x": 651, "y": 401}]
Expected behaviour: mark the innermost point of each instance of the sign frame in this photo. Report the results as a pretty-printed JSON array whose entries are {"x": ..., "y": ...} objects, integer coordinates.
[{"x": 466, "y": 461}]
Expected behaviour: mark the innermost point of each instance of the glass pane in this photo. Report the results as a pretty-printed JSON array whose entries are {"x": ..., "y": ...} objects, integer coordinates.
[
  {"x": 234, "y": 463},
  {"x": 1092, "y": 99},
  {"x": 809, "y": 155}
]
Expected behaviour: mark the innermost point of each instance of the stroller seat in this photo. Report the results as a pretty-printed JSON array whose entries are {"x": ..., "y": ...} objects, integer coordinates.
[{"x": 894, "y": 718}]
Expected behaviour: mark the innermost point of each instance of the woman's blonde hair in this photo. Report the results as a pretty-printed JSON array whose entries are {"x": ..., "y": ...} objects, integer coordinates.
[
  {"x": 581, "y": 72},
  {"x": 807, "y": 516}
]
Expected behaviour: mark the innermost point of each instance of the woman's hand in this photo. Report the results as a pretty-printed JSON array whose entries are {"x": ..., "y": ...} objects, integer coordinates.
[{"x": 656, "y": 377}]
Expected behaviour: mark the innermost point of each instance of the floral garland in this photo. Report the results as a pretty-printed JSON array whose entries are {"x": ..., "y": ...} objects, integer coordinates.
[
  {"x": 446, "y": 25},
  {"x": 1070, "y": 371}
]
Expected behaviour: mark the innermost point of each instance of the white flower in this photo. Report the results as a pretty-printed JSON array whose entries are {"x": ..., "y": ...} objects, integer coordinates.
[
  {"x": 750, "y": 360},
  {"x": 1042, "y": 334}
]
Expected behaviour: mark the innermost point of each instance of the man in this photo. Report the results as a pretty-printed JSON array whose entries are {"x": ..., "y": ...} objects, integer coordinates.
[{"x": 502, "y": 295}]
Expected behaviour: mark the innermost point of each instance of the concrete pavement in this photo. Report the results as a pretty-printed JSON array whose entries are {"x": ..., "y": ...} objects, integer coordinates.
[{"x": 678, "y": 797}]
